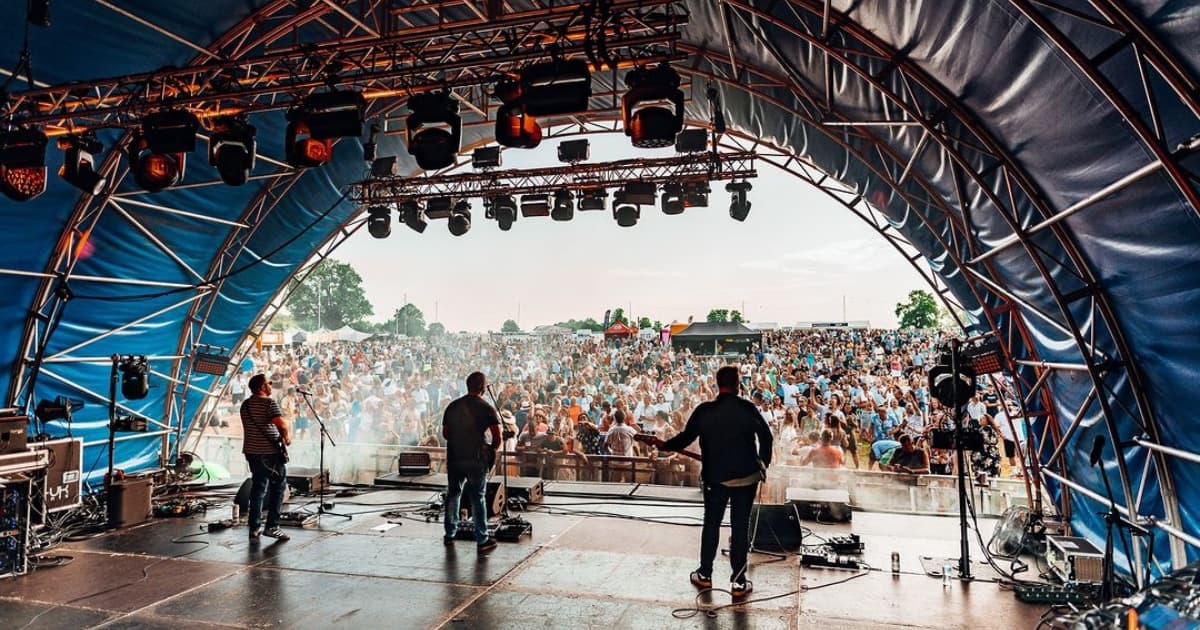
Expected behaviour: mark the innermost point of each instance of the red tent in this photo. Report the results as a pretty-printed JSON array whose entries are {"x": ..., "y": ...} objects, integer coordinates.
[{"x": 618, "y": 331}]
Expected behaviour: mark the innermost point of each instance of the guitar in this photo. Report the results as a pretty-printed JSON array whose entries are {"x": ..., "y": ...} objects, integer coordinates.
[
  {"x": 283, "y": 452},
  {"x": 657, "y": 442}
]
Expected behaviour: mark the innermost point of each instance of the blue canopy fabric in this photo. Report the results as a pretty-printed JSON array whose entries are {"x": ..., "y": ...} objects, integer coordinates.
[{"x": 958, "y": 121}]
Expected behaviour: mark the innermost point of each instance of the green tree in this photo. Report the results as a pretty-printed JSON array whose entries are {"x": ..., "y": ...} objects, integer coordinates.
[
  {"x": 330, "y": 297},
  {"x": 581, "y": 324},
  {"x": 510, "y": 326},
  {"x": 657, "y": 325},
  {"x": 407, "y": 320},
  {"x": 436, "y": 329},
  {"x": 919, "y": 311},
  {"x": 618, "y": 315},
  {"x": 736, "y": 317},
  {"x": 645, "y": 323},
  {"x": 718, "y": 315}
]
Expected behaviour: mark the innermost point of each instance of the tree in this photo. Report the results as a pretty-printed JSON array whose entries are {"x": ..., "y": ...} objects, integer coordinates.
[
  {"x": 582, "y": 324},
  {"x": 657, "y": 325},
  {"x": 919, "y": 311},
  {"x": 720, "y": 315},
  {"x": 407, "y": 320},
  {"x": 736, "y": 317},
  {"x": 510, "y": 326},
  {"x": 330, "y": 297},
  {"x": 645, "y": 323},
  {"x": 618, "y": 315},
  {"x": 436, "y": 329}
]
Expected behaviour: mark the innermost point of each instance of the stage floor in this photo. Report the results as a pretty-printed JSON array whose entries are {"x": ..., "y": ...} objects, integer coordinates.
[{"x": 582, "y": 568}]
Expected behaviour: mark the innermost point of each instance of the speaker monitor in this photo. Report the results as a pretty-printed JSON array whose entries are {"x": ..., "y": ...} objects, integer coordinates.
[
  {"x": 494, "y": 499},
  {"x": 775, "y": 527}
]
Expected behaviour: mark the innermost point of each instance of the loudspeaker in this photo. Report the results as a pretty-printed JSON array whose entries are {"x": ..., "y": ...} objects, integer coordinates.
[
  {"x": 129, "y": 502},
  {"x": 13, "y": 434},
  {"x": 776, "y": 527},
  {"x": 821, "y": 505},
  {"x": 494, "y": 499},
  {"x": 531, "y": 489}
]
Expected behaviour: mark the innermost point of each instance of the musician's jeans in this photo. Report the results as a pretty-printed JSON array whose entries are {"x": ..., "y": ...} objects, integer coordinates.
[
  {"x": 475, "y": 483},
  {"x": 268, "y": 479},
  {"x": 740, "y": 500}
]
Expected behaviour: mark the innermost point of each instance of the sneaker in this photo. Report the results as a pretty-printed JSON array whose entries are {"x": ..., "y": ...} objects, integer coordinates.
[
  {"x": 700, "y": 580},
  {"x": 447, "y": 540},
  {"x": 277, "y": 534},
  {"x": 487, "y": 545},
  {"x": 741, "y": 589}
]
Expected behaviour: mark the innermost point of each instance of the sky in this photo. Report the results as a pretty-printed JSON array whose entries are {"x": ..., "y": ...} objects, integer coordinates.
[{"x": 795, "y": 258}]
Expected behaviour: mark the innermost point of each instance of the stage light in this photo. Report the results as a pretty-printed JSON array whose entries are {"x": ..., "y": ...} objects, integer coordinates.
[
  {"x": 379, "y": 221},
  {"x": 460, "y": 219},
  {"x": 486, "y": 157},
  {"x": 504, "y": 210},
  {"x": 38, "y": 13},
  {"x": 625, "y": 212},
  {"x": 981, "y": 355},
  {"x": 739, "y": 203},
  {"x": 517, "y": 129},
  {"x": 691, "y": 141},
  {"x": 434, "y": 129},
  {"x": 79, "y": 165},
  {"x": 652, "y": 108},
  {"x": 135, "y": 382},
  {"x": 158, "y": 152},
  {"x": 413, "y": 216},
  {"x": 536, "y": 205},
  {"x": 22, "y": 163},
  {"x": 438, "y": 208},
  {"x": 61, "y": 408},
  {"x": 574, "y": 151},
  {"x": 592, "y": 199},
  {"x": 231, "y": 149},
  {"x": 304, "y": 150},
  {"x": 672, "y": 199},
  {"x": 564, "y": 206},
  {"x": 383, "y": 167},
  {"x": 556, "y": 88},
  {"x": 695, "y": 194},
  {"x": 640, "y": 193}
]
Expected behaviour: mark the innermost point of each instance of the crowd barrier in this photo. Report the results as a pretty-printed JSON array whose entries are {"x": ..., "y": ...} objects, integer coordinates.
[{"x": 872, "y": 490}]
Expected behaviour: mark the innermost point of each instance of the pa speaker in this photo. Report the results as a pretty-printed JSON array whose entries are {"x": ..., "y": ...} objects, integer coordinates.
[{"x": 775, "y": 527}]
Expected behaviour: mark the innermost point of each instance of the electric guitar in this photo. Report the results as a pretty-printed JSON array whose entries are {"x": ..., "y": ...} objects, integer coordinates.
[{"x": 657, "y": 442}]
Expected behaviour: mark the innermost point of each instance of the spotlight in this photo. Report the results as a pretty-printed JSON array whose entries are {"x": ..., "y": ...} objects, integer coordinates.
[
  {"x": 460, "y": 219},
  {"x": 564, "y": 206},
  {"x": 691, "y": 141},
  {"x": 592, "y": 198},
  {"x": 535, "y": 205},
  {"x": 504, "y": 210},
  {"x": 517, "y": 129},
  {"x": 38, "y": 13},
  {"x": 640, "y": 193},
  {"x": 486, "y": 157},
  {"x": 79, "y": 165},
  {"x": 135, "y": 383},
  {"x": 231, "y": 149},
  {"x": 695, "y": 194},
  {"x": 625, "y": 212},
  {"x": 438, "y": 208},
  {"x": 556, "y": 88},
  {"x": 739, "y": 204},
  {"x": 22, "y": 164},
  {"x": 672, "y": 199},
  {"x": 158, "y": 154},
  {"x": 379, "y": 221},
  {"x": 383, "y": 167},
  {"x": 574, "y": 151},
  {"x": 652, "y": 108},
  {"x": 61, "y": 408},
  {"x": 304, "y": 150},
  {"x": 434, "y": 129},
  {"x": 413, "y": 216}
]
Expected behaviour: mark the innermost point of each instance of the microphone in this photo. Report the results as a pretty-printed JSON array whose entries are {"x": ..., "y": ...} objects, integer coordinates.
[
  {"x": 1097, "y": 449},
  {"x": 302, "y": 391}
]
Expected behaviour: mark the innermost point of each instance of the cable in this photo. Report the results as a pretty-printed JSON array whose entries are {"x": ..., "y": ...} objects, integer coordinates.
[{"x": 711, "y": 612}]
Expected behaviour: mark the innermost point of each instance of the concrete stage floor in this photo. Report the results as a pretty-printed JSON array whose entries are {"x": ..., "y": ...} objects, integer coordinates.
[{"x": 578, "y": 571}]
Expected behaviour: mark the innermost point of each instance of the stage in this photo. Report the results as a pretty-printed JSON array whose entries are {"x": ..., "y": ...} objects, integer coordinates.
[{"x": 582, "y": 568}]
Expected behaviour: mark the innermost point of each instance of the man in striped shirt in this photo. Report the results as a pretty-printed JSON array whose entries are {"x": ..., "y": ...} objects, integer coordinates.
[{"x": 264, "y": 432}]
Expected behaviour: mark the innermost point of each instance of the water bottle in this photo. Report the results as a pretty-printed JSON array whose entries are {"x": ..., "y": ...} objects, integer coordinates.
[
  {"x": 947, "y": 570},
  {"x": 895, "y": 563}
]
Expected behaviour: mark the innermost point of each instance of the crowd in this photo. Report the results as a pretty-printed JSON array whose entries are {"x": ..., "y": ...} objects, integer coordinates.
[{"x": 833, "y": 398}]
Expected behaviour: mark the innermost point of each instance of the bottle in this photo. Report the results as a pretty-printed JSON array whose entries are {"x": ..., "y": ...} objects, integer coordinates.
[
  {"x": 895, "y": 563},
  {"x": 947, "y": 571},
  {"x": 235, "y": 515}
]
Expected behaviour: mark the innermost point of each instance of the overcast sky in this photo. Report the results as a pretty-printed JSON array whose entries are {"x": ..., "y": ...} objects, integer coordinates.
[{"x": 792, "y": 260}]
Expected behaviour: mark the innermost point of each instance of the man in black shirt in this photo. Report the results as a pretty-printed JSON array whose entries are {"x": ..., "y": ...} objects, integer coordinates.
[
  {"x": 468, "y": 456},
  {"x": 733, "y": 466}
]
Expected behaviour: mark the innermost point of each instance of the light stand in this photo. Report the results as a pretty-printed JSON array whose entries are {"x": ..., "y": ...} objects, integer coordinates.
[
  {"x": 112, "y": 430},
  {"x": 964, "y": 560},
  {"x": 1113, "y": 522},
  {"x": 321, "y": 474}
]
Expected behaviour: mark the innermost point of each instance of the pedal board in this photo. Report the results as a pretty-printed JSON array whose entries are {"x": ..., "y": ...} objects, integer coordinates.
[
  {"x": 830, "y": 561},
  {"x": 514, "y": 530},
  {"x": 466, "y": 530},
  {"x": 849, "y": 545},
  {"x": 297, "y": 519}
]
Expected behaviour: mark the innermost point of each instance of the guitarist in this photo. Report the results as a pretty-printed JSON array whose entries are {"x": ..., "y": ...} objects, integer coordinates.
[
  {"x": 733, "y": 466},
  {"x": 265, "y": 437},
  {"x": 468, "y": 458}
]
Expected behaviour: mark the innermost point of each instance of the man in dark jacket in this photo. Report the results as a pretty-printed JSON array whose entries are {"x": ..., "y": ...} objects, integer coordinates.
[
  {"x": 464, "y": 425},
  {"x": 733, "y": 466}
]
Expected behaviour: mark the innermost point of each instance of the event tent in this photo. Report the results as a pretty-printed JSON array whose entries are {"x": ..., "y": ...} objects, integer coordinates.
[
  {"x": 705, "y": 338},
  {"x": 1035, "y": 162}
]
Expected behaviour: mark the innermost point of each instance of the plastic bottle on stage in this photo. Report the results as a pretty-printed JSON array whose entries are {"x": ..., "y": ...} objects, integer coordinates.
[
  {"x": 947, "y": 571},
  {"x": 895, "y": 563}
]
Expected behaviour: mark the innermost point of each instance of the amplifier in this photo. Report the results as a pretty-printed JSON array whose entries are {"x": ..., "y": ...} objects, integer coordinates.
[
  {"x": 307, "y": 480},
  {"x": 13, "y": 430},
  {"x": 829, "y": 505},
  {"x": 410, "y": 463},
  {"x": 1074, "y": 560},
  {"x": 129, "y": 502},
  {"x": 529, "y": 489},
  {"x": 14, "y": 526}
]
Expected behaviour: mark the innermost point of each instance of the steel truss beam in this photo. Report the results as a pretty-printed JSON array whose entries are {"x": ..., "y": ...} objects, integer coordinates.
[{"x": 697, "y": 167}]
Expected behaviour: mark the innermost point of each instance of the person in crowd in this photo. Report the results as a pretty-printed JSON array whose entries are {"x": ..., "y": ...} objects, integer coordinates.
[
  {"x": 620, "y": 437},
  {"x": 824, "y": 454},
  {"x": 909, "y": 459},
  {"x": 986, "y": 463}
]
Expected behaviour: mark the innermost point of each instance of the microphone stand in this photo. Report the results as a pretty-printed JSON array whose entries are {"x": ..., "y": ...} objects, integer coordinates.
[
  {"x": 1113, "y": 522},
  {"x": 321, "y": 474},
  {"x": 505, "y": 517},
  {"x": 964, "y": 560}
]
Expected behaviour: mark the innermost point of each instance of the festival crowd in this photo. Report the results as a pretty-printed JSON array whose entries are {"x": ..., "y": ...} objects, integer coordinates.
[{"x": 833, "y": 398}]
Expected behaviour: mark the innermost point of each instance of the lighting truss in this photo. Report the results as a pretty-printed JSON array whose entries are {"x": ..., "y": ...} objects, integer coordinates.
[
  {"x": 451, "y": 51},
  {"x": 680, "y": 169}
]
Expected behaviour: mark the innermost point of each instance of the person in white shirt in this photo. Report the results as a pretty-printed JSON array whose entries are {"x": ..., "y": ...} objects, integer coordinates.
[
  {"x": 976, "y": 409},
  {"x": 1010, "y": 439},
  {"x": 620, "y": 437}
]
